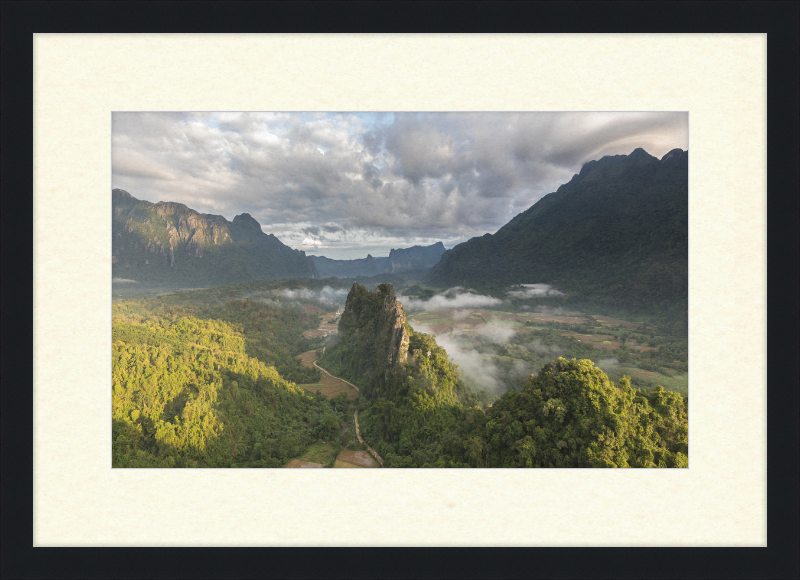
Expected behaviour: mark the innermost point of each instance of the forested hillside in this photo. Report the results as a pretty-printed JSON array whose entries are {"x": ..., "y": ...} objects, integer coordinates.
[
  {"x": 170, "y": 244},
  {"x": 211, "y": 383},
  {"x": 572, "y": 415},
  {"x": 616, "y": 234},
  {"x": 417, "y": 412}
]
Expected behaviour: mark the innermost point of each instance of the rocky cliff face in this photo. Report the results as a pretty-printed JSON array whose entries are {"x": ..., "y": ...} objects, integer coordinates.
[
  {"x": 377, "y": 322},
  {"x": 169, "y": 243}
]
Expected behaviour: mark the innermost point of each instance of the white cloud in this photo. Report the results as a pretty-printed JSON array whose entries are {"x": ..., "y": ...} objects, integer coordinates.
[
  {"x": 327, "y": 295},
  {"x": 395, "y": 176},
  {"x": 534, "y": 291},
  {"x": 496, "y": 333},
  {"x": 453, "y": 298}
]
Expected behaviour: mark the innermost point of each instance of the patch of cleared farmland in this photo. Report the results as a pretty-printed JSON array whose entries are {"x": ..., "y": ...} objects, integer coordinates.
[
  {"x": 328, "y": 385},
  {"x": 358, "y": 458},
  {"x": 326, "y": 328},
  {"x": 340, "y": 463}
]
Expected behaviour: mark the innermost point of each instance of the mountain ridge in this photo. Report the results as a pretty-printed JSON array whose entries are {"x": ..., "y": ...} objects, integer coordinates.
[
  {"x": 399, "y": 260},
  {"x": 171, "y": 243},
  {"x": 616, "y": 232}
]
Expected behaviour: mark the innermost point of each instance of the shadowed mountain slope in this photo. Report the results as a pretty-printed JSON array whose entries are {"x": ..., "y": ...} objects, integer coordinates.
[
  {"x": 616, "y": 233},
  {"x": 171, "y": 244}
]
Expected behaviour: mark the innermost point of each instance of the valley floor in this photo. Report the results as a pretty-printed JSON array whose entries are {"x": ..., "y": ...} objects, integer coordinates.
[{"x": 496, "y": 349}]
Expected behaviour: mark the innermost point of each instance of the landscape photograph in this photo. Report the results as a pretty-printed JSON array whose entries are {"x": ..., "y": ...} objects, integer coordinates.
[{"x": 399, "y": 289}]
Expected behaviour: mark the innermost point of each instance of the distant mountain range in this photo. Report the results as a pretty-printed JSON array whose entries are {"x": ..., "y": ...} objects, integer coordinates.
[
  {"x": 171, "y": 244},
  {"x": 617, "y": 233},
  {"x": 399, "y": 260}
]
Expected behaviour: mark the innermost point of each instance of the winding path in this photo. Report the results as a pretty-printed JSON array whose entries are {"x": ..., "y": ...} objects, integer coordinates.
[
  {"x": 355, "y": 415},
  {"x": 361, "y": 439}
]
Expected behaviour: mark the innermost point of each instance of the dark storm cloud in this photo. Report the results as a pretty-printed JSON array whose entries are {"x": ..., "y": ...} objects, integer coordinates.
[{"x": 362, "y": 181}]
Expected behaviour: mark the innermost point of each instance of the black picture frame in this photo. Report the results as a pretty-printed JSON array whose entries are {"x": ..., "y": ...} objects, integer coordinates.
[{"x": 778, "y": 19}]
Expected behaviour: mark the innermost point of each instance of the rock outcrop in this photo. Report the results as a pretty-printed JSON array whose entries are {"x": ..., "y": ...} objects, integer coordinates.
[{"x": 376, "y": 322}]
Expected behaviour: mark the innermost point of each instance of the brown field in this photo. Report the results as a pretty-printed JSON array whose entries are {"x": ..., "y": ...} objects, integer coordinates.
[
  {"x": 524, "y": 330},
  {"x": 303, "y": 464},
  {"x": 327, "y": 327},
  {"x": 307, "y": 358},
  {"x": 328, "y": 386},
  {"x": 358, "y": 458},
  {"x": 311, "y": 309}
]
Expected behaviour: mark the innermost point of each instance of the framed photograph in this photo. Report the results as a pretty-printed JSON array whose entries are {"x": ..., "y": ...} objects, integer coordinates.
[
  {"x": 96, "y": 98},
  {"x": 257, "y": 339}
]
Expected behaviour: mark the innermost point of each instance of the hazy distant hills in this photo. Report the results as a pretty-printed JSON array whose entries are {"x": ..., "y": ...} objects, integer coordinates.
[
  {"x": 328, "y": 267},
  {"x": 171, "y": 244},
  {"x": 617, "y": 232},
  {"x": 400, "y": 260},
  {"x": 415, "y": 258}
]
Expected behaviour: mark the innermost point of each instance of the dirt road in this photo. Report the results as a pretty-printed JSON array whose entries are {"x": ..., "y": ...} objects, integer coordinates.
[
  {"x": 361, "y": 439},
  {"x": 355, "y": 415}
]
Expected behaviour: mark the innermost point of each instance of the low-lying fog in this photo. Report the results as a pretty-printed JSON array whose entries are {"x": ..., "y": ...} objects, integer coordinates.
[
  {"x": 479, "y": 369},
  {"x": 327, "y": 297}
]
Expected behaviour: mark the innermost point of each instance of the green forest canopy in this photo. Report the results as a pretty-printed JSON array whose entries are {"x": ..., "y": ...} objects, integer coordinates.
[{"x": 208, "y": 379}]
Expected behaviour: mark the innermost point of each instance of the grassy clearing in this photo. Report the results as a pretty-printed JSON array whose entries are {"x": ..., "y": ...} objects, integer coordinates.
[
  {"x": 318, "y": 453},
  {"x": 678, "y": 383},
  {"x": 340, "y": 463}
]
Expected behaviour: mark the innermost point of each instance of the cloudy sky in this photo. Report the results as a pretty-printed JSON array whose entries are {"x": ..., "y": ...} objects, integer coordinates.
[{"x": 343, "y": 185}]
